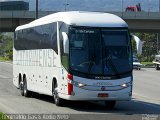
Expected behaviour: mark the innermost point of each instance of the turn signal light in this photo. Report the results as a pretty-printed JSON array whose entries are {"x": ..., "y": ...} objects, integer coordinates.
[
  {"x": 70, "y": 85},
  {"x": 70, "y": 76}
]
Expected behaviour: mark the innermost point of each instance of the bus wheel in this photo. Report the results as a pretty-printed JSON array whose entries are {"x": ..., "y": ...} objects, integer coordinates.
[
  {"x": 110, "y": 104},
  {"x": 58, "y": 101},
  {"x": 25, "y": 91}
]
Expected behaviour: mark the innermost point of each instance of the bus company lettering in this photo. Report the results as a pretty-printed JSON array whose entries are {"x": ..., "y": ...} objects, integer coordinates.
[{"x": 103, "y": 84}]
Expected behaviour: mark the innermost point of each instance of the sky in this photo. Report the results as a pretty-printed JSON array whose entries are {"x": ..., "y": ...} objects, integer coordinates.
[{"x": 92, "y": 5}]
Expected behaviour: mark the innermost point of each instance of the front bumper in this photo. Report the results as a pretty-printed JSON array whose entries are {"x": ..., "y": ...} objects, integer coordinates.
[{"x": 82, "y": 94}]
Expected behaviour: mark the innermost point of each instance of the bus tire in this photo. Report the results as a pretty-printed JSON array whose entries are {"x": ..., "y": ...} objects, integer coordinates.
[
  {"x": 19, "y": 81},
  {"x": 58, "y": 101},
  {"x": 110, "y": 104},
  {"x": 25, "y": 90},
  {"x": 21, "y": 85}
]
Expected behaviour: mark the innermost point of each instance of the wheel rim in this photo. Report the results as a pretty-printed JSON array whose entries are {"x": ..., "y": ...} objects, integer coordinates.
[
  {"x": 55, "y": 95},
  {"x": 21, "y": 86},
  {"x": 25, "y": 87}
]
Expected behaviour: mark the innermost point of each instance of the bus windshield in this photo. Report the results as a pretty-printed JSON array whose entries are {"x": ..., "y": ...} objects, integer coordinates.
[{"x": 100, "y": 52}]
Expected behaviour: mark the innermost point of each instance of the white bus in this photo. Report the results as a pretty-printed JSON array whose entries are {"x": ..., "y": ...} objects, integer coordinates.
[{"x": 74, "y": 56}]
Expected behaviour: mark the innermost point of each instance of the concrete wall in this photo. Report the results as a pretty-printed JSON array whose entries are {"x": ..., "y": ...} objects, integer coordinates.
[{"x": 137, "y": 21}]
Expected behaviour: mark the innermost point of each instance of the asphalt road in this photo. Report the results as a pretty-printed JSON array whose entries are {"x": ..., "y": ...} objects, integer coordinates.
[{"x": 146, "y": 99}]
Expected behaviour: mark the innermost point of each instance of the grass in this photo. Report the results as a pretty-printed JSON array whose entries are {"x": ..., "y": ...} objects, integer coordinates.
[
  {"x": 3, "y": 116},
  {"x": 4, "y": 59},
  {"x": 147, "y": 63}
]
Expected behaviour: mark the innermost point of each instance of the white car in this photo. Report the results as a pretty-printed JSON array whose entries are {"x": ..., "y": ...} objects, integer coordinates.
[{"x": 136, "y": 64}]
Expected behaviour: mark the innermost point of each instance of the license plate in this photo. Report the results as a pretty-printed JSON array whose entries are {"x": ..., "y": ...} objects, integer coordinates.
[{"x": 103, "y": 95}]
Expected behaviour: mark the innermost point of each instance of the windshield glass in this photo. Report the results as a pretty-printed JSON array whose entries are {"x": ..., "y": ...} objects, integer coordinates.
[{"x": 100, "y": 52}]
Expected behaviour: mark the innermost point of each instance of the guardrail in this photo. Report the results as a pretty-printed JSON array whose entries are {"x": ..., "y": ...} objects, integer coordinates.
[
  {"x": 23, "y": 14},
  {"x": 125, "y": 15},
  {"x": 138, "y": 15}
]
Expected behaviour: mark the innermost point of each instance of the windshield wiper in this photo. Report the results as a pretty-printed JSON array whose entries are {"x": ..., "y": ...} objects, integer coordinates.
[
  {"x": 92, "y": 58},
  {"x": 114, "y": 68},
  {"x": 92, "y": 62}
]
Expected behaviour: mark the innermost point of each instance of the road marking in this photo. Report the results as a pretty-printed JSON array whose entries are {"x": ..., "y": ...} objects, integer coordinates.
[
  {"x": 3, "y": 77},
  {"x": 5, "y": 108},
  {"x": 144, "y": 97},
  {"x": 8, "y": 63}
]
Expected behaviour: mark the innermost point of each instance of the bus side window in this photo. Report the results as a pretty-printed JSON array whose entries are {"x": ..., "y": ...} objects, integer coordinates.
[{"x": 53, "y": 36}]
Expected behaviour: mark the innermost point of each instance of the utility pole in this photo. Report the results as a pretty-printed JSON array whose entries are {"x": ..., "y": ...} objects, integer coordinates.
[
  {"x": 122, "y": 5},
  {"x": 66, "y": 4},
  {"x": 159, "y": 5},
  {"x": 36, "y": 13},
  {"x": 157, "y": 43}
]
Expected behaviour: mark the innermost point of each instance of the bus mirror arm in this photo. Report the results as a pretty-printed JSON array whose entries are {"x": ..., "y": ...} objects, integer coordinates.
[
  {"x": 65, "y": 42},
  {"x": 138, "y": 44}
]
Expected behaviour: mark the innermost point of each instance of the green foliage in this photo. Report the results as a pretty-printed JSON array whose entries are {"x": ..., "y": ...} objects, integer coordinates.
[
  {"x": 147, "y": 63},
  {"x": 149, "y": 49},
  {"x": 6, "y": 46},
  {"x": 3, "y": 116}
]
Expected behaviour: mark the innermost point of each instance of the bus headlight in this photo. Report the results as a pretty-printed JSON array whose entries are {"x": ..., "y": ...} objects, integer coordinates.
[
  {"x": 126, "y": 85},
  {"x": 78, "y": 84},
  {"x": 81, "y": 85}
]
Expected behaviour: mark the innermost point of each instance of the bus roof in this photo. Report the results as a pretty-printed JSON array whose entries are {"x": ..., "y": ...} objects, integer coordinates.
[{"x": 77, "y": 18}]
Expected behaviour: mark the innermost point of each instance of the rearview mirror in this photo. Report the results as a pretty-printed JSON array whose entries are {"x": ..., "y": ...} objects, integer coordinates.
[
  {"x": 65, "y": 42},
  {"x": 138, "y": 44}
]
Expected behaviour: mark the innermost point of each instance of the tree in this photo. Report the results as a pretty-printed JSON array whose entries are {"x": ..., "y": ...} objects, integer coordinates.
[
  {"x": 149, "y": 49},
  {"x": 6, "y": 46}
]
